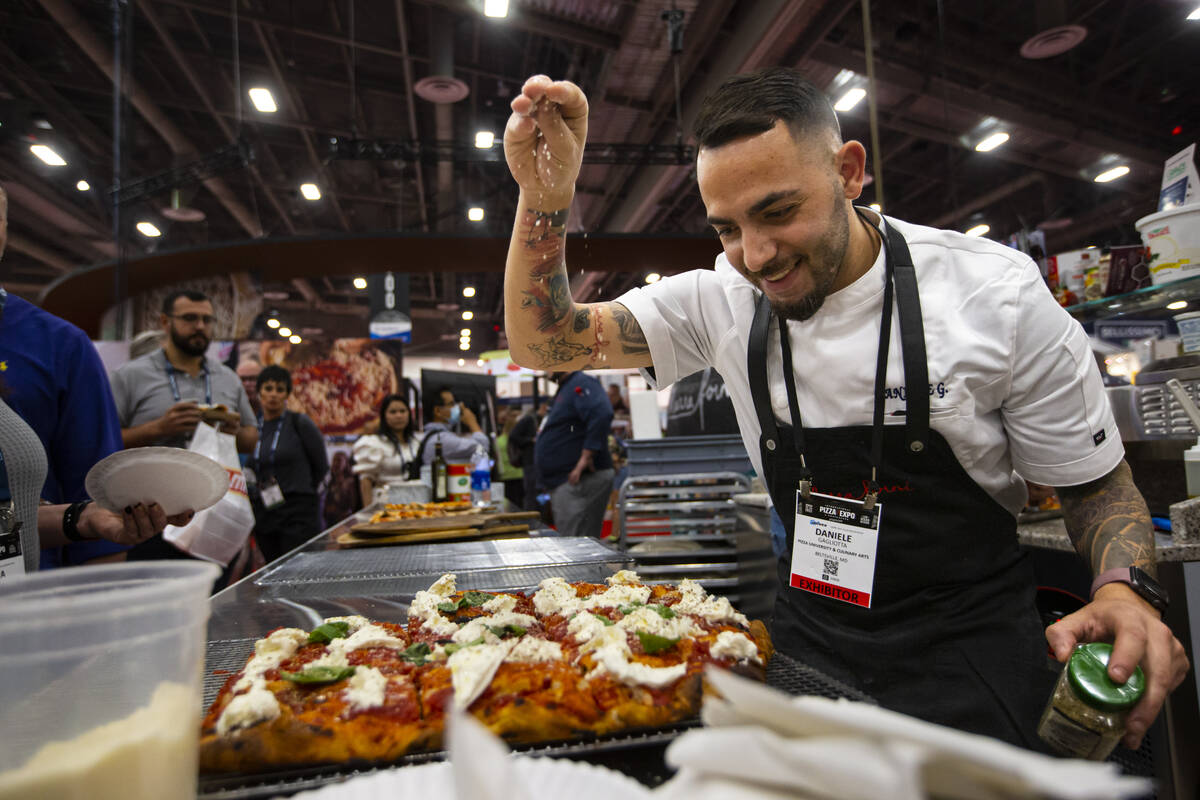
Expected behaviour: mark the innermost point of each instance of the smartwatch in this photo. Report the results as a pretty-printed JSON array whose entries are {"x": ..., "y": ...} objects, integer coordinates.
[{"x": 1140, "y": 581}]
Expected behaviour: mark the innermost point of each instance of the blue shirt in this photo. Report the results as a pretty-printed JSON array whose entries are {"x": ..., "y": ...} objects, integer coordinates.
[
  {"x": 57, "y": 384},
  {"x": 580, "y": 419}
]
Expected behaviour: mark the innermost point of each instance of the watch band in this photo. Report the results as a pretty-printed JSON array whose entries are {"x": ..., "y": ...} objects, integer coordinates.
[
  {"x": 70, "y": 522},
  {"x": 1137, "y": 580}
]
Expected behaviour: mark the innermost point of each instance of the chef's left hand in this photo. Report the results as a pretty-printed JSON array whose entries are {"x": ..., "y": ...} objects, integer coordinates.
[
  {"x": 1119, "y": 615},
  {"x": 134, "y": 526},
  {"x": 584, "y": 465}
]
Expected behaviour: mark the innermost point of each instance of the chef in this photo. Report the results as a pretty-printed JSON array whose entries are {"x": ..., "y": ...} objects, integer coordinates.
[{"x": 894, "y": 385}]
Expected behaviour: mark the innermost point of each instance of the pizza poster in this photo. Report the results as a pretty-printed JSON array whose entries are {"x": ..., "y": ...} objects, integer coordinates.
[{"x": 339, "y": 384}]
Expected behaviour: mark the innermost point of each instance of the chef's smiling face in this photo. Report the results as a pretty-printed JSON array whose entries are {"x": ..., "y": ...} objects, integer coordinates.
[{"x": 778, "y": 204}]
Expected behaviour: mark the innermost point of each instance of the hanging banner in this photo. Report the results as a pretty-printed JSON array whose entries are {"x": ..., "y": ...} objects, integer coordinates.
[{"x": 387, "y": 296}]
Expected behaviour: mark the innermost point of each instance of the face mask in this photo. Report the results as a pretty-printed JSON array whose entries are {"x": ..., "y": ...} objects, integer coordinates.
[{"x": 455, "y": 415}]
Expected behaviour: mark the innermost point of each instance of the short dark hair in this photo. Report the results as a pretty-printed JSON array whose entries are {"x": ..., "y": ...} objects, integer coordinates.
[
  {"x": 191, "y": 294},
  {"x": 275, "y": 374},
  {"x": 434, "y": 399},
  {"x": 751, "y": 103}
]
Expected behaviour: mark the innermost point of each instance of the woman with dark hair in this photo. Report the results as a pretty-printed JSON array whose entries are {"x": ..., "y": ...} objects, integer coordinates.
[
  {"x": 390, "y": 454},
  {"x": 289, "y": 463}
]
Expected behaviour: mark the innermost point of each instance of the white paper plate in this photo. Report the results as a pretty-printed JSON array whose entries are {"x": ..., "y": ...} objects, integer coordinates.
[
  {"x": 176, "y": 479},
  {"x": 544, "y": 779}
]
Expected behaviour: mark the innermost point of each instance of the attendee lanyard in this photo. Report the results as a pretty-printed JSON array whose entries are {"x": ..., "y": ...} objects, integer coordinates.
[
  {"x": 891, "y": 250},
  {"x": 274, "y": 443},
  {"x": 175, "y": 385}
]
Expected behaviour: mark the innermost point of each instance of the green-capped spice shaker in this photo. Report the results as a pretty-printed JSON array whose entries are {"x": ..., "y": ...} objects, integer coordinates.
[{"x": 1086, "y": 715}]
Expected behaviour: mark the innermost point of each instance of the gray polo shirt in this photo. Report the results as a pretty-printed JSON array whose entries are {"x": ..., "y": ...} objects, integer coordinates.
[{"x": 143, "y": 393}]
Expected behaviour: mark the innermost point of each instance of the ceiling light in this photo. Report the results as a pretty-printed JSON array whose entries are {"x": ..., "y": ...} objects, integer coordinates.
[
  {"x": 465, "y": 340},
  {"x": 263, "y": 100},
  {"x": 475, "y": 214},
  {"x": 272, "y": 323},
  {"x": 468, "y": 315},
  {"x": 1112, "y": 174},
  {"x": 465, "y": 332},
  {"x": 462, "y": 362},
  {"x": 285, "y": 332},
  {"x": 1178, "y": 304},
  {"x": 495, "y": 8},
  {"x": 148, "y": 229},
  {"x": 360, "y": 283},
  {"x": 1195, "y": 14},
  {"x": 484, "y": 139},
  {"x": 979, "y": 230},
  {"x": 83, "y": 186},
  {"x": 653, "y": 277},
  {"x": 295, "y": 339},
  {"x": 992, "y": 142},
  {"x": 464, "y": 345},
  {"x": 876, "y": 207},
  {"x": 479, "y": 362},
  {"x": 468, "y": 291},
  {"x": 310, "y": 191},
  {"x": 850, "y": 99},
  {"x": 48, "y": 155}
]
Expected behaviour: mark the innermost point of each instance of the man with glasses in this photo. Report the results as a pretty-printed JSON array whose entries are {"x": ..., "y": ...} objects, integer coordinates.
[{"x": 160, "y": 396}]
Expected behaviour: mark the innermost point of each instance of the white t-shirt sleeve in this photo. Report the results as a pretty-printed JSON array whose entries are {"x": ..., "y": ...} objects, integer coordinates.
[
  {"x": 1059, "y": 422},
  {"x": 676, "y": 314}
]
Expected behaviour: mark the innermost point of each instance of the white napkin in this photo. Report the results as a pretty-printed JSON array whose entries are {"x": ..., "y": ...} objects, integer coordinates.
[
  {"x": 763, "y": 743},
  {"x": 482, "y": 764}
]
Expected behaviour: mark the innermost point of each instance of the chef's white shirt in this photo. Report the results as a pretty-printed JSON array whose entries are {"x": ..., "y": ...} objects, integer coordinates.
[{"x": 1014, "y": 387}]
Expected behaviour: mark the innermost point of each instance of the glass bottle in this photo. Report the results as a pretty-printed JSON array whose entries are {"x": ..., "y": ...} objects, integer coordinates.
[
  {"x": 439, "y": 472},
  {"x": 1087, "y": 712},
  {"x": 481, "y": 478}
]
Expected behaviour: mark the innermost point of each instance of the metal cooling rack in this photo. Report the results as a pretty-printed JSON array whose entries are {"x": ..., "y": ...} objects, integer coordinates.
[{"x": 434, "y": 559}]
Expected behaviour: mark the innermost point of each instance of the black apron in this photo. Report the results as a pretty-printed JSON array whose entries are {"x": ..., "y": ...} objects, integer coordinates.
[{"x": 953, "y": 635}]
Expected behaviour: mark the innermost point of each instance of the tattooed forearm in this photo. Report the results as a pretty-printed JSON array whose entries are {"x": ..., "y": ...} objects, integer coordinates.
[
  {"x": 545, "y": 235},
  {"x": 552, "y": 305},
  {"x": 1108, "y": 522},
  {"x": 583, "y": 318},
  {"x": 629, "y": 332},
  {"x": 557, "y": 350}
]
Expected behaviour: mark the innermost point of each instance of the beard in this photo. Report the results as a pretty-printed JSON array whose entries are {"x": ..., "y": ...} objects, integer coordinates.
[
  {"x": 825, "y": 263},
  {"x": 194, "y": 345}
]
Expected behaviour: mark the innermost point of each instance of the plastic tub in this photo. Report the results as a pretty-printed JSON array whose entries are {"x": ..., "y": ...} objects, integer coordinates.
[
  {"x": 101, "y": 681},
  {"x": 1173, "y": 238}
]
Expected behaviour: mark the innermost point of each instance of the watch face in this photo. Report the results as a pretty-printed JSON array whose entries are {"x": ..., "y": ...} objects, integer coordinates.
[{"x": 1150, "y": 589}]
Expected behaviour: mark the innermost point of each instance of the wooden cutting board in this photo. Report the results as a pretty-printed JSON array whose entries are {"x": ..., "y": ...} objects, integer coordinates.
[
  {"x": 430, "y": 524},
  {"x": 491, "y": 532}
]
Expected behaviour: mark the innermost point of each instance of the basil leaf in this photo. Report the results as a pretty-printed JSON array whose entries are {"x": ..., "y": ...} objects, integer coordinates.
[
  {"x": 474, "y": 598},
  {"x": 663, "y": 611},
  {"x": 318, "y": 674},
  {"x": 653, "y": 643},
  {"x": 416, "y": 653},
  {"x": 504, "y": 630},
  {"x": 602, "y": 618},
  {"x": 630, "y": 607},
  {"x": 451, "y": 606},
  {"x": 451, "y": 649},
  {"x": 329, "y": 631}
]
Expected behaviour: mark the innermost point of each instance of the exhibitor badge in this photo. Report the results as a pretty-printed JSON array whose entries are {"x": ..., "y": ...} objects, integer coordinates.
[{"x": 833, "y": 551}]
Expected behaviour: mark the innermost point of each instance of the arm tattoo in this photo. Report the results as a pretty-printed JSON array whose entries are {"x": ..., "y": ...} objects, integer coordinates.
[
  {"x": 583, "y": 318},
  {"x": 630, "y": 334},
  {"x": 551, "y": 306},
  {"x": 557, "y": 350},
  {"x": 546, "y": 234},
  {"x": 1108, "y": 522}
]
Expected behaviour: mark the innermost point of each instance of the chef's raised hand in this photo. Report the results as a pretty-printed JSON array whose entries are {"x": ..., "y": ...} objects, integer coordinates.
[
  {"x": 1138, "y": 636},
  {"x": 544, "y": 137},
  {"x": 134, "y": 525}
]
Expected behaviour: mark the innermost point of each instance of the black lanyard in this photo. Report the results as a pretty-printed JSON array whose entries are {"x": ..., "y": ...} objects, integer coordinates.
[
  {"x": 175, "y": 385},
  {"x": 899, "y": 280},
  {"x": 274, "y": 443}
]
